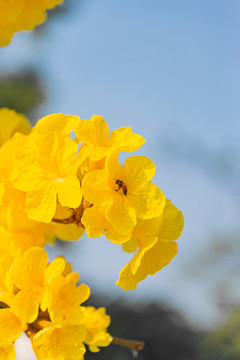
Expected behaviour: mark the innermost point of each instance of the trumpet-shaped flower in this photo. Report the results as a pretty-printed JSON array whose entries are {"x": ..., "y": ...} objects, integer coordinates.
[
  {"x": 10, "y": 330},
  {"x": 65, "y": 299},
  {"x": 28, "y": 274},
  {"x": 32, "y": 275},
  {"x": 96, "y": 322},
  {"x": 127, "y": 192},
  {"x": 60, "y": 342},
  {"x": 11, "y": 326},
  {"x": 94, "y": 134},
  {"x": 20, "y": 232},
  {"x": 47, "y": 172},
  {"x": 96, "y": 224},
  {"x": 155, "y": 245},
  {"x": 17, "y": 15}
]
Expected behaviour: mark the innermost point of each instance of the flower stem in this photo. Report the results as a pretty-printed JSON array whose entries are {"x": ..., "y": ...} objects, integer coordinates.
[{"x": 133, "y": 345}]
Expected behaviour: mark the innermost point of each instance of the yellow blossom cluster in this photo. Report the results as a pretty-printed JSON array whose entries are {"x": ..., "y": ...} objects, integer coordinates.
[
  {"x": 64, "y": 177},
  {"x": 17, "y": 15},
  {"x": 43, "y": 299},
  {"x": 57, "y": 180}
]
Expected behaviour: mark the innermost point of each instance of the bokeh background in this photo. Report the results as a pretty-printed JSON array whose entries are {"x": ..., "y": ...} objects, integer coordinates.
[{"x": 169, "y": 69}]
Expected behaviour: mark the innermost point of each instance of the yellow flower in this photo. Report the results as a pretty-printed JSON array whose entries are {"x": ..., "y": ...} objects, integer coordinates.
[
  {"x": 17, "y": 15},
  {"x": 96, "y": 224},
  {"x": 156, "y": 246},
  {"x": 7, "y": 351},
  {"x": 11, "y": 326},
  {"x": 65, "y": 299},
  {"x": 47, "y": 171},
  {"x": 20, "y": 233},
  {"x": 28, "y": 274},
  {"x": 60, "y": 342},
  {"x": 127, "y": 192},
  {"x": 12, "y": 122},
  {"x": 94, "y": 134},
  {"x": 96, "y": 322}
]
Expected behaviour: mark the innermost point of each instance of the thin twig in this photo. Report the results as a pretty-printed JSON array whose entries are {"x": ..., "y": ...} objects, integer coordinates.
[
  {"x": 133, "y": 345},
  {"x": 66, "y": 221}
]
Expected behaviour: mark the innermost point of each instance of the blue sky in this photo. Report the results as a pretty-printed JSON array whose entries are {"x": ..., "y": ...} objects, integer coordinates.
[{"x": 170, "y": 69}]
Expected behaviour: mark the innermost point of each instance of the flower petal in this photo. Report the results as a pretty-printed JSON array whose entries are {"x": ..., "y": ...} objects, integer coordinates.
[
  {"x": 95, "y": 189},
  {"x": 41, "y": 204},
  {"x": 139, "y": 170},
  {"x": 56, "y": 122},
  {"x": 94, "y": 222},
  {"x": 124, "y": 139},
  {"x": 94, "y": 131},
  {"x": 69, "y": 192},
  {"x": 153, "y": 260},
  {"x": 121, "y": 214},
  {"x": 7, "y": 349},
  {"x": 148, "y": 201},
  {"x": 11, "y": 326}
]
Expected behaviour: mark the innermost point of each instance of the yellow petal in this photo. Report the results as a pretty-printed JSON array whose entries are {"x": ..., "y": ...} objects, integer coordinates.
[
  {"x": 121, "y": 214},
  {"x": 154, "y": 260},
  {"x": 148, "y": 201},
  {"x": 124, "y": 139},
  {"x": 114, "y": 169},
  {"x": 21, "y": 15},
  {"x": 11, "y": 326},
  {"x": 96, "y": 322},
  {"x": 139, "y": 170},
  {"x": 144, "y": 246},
  {"x": 61, "y": 342},
  {"x": 11, "y": 122},
  {"x": 95, "y": 189},
  {"x": 41, "y": 204},
  {"x": 56, "y": 122},
  {"x": 130, "y": 246},
  {"x": 66, "y": 298},
  {"x": 172, "y": 224},
  {"x": 29, "y": 269},
  {"x": 94, "y": 131},
  {"x": 25, "y": 304},
  {"x": 70, "y": 232},
  {"x": 56, "y": 267},
  {"x": 115, "y": 236},
  {"x": 7, "y": 350},
  {"x": 94, "y": 222},
  {"x": 69, "y": 192}
]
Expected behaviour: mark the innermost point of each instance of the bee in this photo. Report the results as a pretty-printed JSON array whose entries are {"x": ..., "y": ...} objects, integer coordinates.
[{"x": 122, "y": 186}]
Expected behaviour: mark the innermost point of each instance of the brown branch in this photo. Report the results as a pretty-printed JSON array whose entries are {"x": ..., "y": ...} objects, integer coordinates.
[
  {"x": 75, "y": 218},
  {"x": 66, "y": 221},
  {"x": 134, "y": 346}
]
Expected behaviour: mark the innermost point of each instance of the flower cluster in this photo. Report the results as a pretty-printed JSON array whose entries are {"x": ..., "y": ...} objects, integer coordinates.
[
  {"x": 57, "y": 180},
  {"x": 64, "y": 177},
  {"x": 17, "y": 15},
  {"x": 44, "y": 300}
]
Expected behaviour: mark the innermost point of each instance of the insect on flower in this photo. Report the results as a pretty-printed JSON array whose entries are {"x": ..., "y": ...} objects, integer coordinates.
[{"x": 122, "y": 186}]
